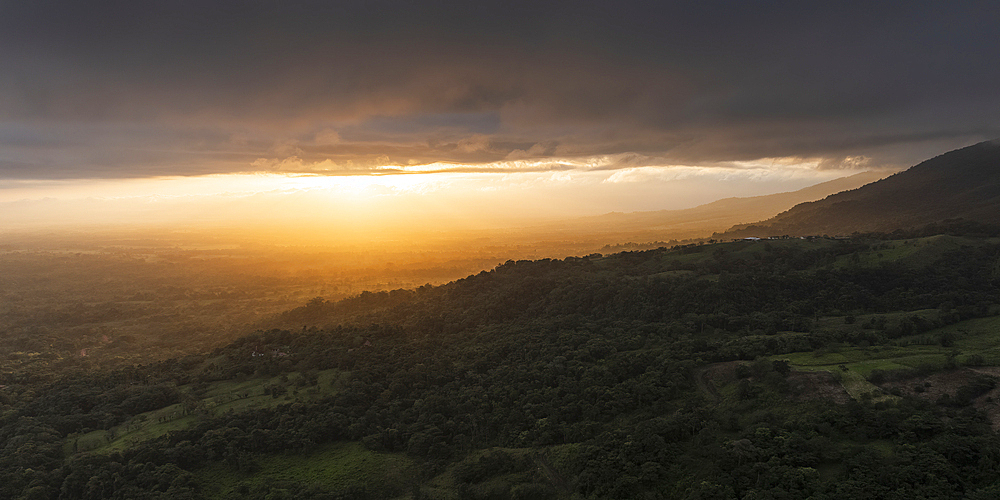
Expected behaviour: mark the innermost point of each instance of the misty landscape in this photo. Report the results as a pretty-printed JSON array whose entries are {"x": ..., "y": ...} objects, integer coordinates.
[{"x": 499, "y": 250}]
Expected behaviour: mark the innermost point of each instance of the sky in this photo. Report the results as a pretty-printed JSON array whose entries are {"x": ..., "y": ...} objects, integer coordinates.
[{"x": 483, "y": 109}]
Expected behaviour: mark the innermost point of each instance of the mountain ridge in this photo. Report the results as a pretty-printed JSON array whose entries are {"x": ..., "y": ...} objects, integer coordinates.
[
  {"x": 702, "y": 220},
  {"x": 960, "y": 184}
]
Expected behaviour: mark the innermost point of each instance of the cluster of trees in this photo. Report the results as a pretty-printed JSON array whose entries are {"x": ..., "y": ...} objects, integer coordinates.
[
  {"x": 752, "y": 288},
  {"x": 595, "y": 358}
]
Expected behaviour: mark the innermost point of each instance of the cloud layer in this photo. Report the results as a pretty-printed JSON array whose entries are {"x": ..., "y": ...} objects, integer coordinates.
[{"x": 136, "y": 89}]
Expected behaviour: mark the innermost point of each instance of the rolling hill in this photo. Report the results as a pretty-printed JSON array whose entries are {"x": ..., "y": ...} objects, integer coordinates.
[
  {"x": 819, "y": 368},
  {"x": 703, "y": 220},
  {"x": 961, "y": 184}
]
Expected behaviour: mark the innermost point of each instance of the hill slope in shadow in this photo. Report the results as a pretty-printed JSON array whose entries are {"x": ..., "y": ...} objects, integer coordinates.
[
  {"x": 703, "y": 220},
  {"x": 961, "y": 184}
]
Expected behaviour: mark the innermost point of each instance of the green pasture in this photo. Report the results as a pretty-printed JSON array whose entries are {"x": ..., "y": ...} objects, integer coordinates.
[
  {"x": 915, "y": 252},
  {"x": 866, "y": 359},
  {"x": 839, "y": 323},
  {"x": 681, "y": 273},
  {"x": 558, "y": 460},
  {"x": 129, "y": 434},
  {"x": 86, "y": 442},
  {"x": 205, "y": 400},
  {"x": 978, "y": 336},
  {"x": 335, "y": 466},
  {"x": 973, "y": 342}
]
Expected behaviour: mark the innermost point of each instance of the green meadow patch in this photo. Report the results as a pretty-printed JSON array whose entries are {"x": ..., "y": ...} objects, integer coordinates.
[
  {"x": 977, "y": 337},
  {"x": 917, "y": 252},
  {"x": 207, "y": 400},
  {"x": 537, "y": 472},
  {"x": 130, "y": 434},
  {"x": 333, "y": 467},
  {"x": 974, "y": 342},
  {"x": 86, "y": 442}
]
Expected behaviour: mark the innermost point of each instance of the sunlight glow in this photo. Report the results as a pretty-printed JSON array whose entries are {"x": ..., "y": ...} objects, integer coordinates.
[{"x": 381, "y": 199}]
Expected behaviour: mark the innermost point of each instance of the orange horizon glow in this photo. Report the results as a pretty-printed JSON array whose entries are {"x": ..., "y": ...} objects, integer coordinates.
[{"x": 422, "y": 199}]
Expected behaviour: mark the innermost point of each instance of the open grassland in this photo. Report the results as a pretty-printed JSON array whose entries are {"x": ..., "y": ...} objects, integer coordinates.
[
  {"x": 916, "y": 252},
  {"x": 336, "y": 467},
  {"x": 207, "y": 400},
  {"x": 536, "y": 472},
  {"x": 970, "y": 343},
  {"x": 746, "y": 250},
  {"x": 847, "y": 324},
  {"x": 977, "y": 337}
]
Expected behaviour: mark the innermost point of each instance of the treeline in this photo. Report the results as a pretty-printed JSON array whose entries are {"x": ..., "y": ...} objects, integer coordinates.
[{"x": 783, "y": 286}]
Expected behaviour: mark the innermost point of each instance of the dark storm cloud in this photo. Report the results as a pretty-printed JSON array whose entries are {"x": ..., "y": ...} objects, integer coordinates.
[{"x": 118, "y": 89}]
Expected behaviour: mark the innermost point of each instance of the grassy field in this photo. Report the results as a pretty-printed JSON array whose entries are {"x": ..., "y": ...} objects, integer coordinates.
[
  {"x": 206, "y": 400},
  {"x": 973, "y": 342},
  {"x": 335, "y": 466},
  {"x": 915, "y": 252},
  {"x": 331, "y": 466},
  {"x": 839, "y": 324},
  {"x": 550, "y": 466}
]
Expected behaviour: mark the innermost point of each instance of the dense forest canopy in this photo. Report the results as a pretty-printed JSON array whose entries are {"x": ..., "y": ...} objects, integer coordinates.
[{"x": 779, "y": 368}]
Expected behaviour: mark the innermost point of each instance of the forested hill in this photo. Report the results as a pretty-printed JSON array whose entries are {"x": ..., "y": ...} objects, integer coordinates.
[
  {"x": 787, "y": 281},
  {"x": 824, "y": 369},
  {"x": 961, "y": 184}
]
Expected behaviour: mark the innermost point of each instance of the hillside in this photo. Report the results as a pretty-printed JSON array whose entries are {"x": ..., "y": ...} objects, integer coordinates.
[
  {"x": 961, "y": 184},
  {"x": 780, "y": 369},
  {"x": 703, "y": 220}
]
